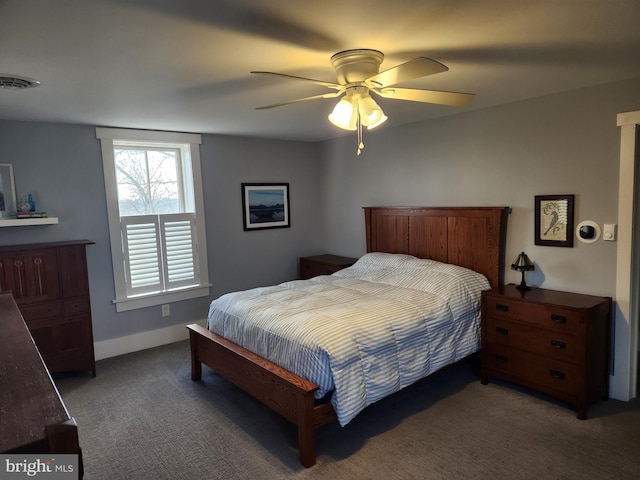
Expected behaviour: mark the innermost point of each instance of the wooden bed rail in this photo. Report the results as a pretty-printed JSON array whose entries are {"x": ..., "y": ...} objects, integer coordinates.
[{"x": 281, "y": 390}]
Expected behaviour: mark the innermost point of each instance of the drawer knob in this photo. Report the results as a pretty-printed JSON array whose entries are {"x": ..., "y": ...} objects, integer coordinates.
[
  {"x": 558, "y": 344},
  {"x": 502, "y": 358},
  {"x": 502, "y": 330},
  {"x": 559, "y": 318},
  {"x": 557, "y": 374},
  {"x": 502, "y": 308}
]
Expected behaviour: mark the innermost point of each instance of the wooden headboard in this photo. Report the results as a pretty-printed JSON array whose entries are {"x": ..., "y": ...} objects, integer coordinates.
[{"x": 472, "y": 237}]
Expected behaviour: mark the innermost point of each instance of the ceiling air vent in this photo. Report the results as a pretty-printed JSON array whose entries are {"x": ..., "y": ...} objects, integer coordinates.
[{"x": 15, "y": 82}]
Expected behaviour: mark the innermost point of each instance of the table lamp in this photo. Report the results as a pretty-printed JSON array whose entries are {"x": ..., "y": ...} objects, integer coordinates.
[{"x": 523, "y": 264}]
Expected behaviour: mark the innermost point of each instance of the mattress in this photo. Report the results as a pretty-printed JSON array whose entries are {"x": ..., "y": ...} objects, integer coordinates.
[{"x": 364, "y": 332}]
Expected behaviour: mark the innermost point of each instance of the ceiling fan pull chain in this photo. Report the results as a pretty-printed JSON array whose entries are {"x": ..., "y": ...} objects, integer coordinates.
[{"x": 360, "y": 143}]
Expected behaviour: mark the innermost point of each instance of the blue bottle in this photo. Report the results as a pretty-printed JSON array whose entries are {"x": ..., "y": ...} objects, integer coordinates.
[{"x": 32, "y": 204}]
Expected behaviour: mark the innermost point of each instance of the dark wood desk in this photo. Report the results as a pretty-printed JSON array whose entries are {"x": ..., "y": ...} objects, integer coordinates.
[{"x": 33, "y": 417}]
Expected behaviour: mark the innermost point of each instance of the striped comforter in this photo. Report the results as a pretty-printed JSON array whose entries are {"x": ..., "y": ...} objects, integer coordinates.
[{"x": 364, "y": 332}]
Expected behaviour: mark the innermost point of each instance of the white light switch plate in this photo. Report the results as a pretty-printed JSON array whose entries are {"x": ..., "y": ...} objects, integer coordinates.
[{"x": 609, "y": 232}]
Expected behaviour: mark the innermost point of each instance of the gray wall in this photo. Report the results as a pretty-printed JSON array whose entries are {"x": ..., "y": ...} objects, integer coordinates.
[
  {"x": 565, "y": 143},
  {"x": 239, "y": 259},
  {"x": 61, "y": 165},
  {"x": 560, "y": 144}
]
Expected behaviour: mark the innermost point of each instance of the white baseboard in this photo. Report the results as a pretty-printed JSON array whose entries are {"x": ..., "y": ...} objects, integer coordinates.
[{"x": 141, "y": 341}]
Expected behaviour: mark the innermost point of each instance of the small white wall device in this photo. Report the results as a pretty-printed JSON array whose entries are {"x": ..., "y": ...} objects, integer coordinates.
[
  {"x": 588, "y": 231},
  {"x": 609, "y": 232}
]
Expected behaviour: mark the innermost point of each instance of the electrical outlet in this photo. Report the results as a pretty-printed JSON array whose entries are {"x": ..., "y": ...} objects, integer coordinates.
[{"x": 166, "y": 310}]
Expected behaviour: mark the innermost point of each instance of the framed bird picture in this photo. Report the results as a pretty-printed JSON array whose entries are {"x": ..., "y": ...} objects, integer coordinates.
[{"x": 554, "y": 220}]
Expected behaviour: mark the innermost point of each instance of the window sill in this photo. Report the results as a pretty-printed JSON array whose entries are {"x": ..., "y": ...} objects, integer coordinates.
[{"x": 143, "y": 301}]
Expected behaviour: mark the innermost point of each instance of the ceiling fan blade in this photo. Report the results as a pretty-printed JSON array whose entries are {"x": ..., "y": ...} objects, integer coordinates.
[
  {"x": 315, "y": 97},
  {"x": 310, "y": 80},
  {"x": 416, "y": 68},
  {"x": 454, "y": 99}
]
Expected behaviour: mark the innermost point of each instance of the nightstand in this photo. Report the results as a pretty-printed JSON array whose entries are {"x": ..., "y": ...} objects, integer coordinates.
[
  {"x": 323, "y": 265},
  {"x": 552, "y": 341}
]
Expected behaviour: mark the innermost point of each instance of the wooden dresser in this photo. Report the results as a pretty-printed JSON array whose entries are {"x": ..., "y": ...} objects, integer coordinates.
[
  {"x": 323, "y": 265},
  {"x": 552, "y": 341},
  {"x": 50, "y": 285},
  {"x": 34, "y": 417}
]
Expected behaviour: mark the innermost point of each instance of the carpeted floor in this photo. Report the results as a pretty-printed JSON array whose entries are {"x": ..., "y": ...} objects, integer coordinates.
[{"x": 143, "y": 418}]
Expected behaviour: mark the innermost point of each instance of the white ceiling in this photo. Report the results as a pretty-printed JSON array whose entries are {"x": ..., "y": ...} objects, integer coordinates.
[{"x": 184, "y": 65}]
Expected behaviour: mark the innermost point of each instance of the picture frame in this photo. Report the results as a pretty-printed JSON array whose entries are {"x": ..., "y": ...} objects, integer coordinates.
[
  {"x": 554, "y": 220},
  {"x": 265, "y": 205},
  {"x": 8, "y": 203}
]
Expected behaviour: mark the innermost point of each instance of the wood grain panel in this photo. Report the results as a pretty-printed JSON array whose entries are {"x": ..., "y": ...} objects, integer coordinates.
[
  {"x": 391, "y": 234},
  {"x": 428, "y": 237},
  {"x": 472, "y": 237},
  {"x": 32, "y": 276}
]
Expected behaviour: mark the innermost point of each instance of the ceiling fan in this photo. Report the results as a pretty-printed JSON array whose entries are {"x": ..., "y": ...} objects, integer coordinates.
[{"x": 358, "y": 75}]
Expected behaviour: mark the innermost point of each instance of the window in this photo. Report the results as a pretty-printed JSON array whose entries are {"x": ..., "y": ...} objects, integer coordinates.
[{"x": 156, "y": 220}]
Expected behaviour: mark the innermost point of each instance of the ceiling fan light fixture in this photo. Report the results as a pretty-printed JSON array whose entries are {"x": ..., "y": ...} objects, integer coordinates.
[
  {"x": 355, "y": 110},
  {"x": 382, "y": 119},
  {"x": 358, "y": 73},
  {"x": 370, "y": 113},
  {"x": 345, "y": 114}
]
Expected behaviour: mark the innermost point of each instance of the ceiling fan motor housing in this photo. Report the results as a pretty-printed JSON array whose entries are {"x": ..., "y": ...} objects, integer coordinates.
[{"x": 356, "y": 65}]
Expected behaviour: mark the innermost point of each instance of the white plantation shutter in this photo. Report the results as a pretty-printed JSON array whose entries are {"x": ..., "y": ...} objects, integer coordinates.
[
  {"x": 159, "y": 252},
  {"x": 179, "y": 249},
  {"x": 142, "y": 249}
]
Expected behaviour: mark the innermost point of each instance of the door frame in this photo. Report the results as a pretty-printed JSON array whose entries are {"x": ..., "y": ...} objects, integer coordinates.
[{"x": 626, "y": 324}]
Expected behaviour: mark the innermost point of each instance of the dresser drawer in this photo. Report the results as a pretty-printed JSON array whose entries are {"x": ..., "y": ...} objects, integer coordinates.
[
  {"x": 64, "y": 341},
  {"x": 558, "y": 345},
  {"x": 546, "y": 316},
  {"x": 534, "y": 370},
  {"x": 41, "y": 310},
  {"x": 76, "y": 305}
]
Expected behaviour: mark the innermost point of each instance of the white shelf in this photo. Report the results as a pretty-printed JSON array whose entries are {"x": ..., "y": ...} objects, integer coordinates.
[{"x": 24, "y": 222}]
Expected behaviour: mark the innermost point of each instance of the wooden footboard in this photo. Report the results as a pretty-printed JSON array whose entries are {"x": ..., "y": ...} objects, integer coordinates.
[{"x": 284, "y": 392}]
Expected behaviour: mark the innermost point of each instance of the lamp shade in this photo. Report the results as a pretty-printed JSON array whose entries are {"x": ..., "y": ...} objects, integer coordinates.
[
  {"x": 523, "y": 263},
  {"x": 345, "y": 114},
  {"x": 379, "y": 122},
  {"x": 370, "y": 112}
]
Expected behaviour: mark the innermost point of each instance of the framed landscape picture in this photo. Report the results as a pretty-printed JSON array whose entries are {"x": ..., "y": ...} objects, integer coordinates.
[
  {"x": 265, "y": 205},
  {"x": 554, "y": 220}
]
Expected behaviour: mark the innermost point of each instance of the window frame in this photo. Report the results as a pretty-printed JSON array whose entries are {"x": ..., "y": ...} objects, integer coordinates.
[
  {"x": 190, "y": 147},
  {"x": 182, "y": 191}
]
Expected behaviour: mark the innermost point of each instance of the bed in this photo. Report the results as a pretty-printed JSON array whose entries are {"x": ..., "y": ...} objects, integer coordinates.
[{"x": 397, "y": 238}]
